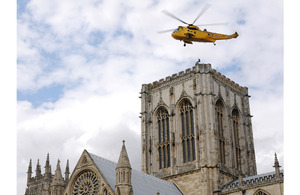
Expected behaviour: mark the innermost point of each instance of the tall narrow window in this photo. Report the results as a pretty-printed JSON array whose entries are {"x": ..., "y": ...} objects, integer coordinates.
[
  {"x": 220, "y": 128},
  {"x": 163, "y": 138},
  {"x": 188, "y": 134},
  {"x": 237, "y": 149}
]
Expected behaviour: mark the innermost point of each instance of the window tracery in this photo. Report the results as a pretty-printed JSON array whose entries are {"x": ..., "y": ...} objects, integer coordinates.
[
  {"x": 87, "y": 183},
  {"x": 188, "y": 134},
  {"x": 163, "y": 138}
]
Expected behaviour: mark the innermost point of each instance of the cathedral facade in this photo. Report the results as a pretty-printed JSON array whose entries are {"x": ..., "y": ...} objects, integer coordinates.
[{"x": 196, "y": 139}]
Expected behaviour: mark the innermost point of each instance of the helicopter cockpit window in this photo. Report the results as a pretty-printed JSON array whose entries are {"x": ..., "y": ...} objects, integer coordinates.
[{"x": 175, "y": 31}]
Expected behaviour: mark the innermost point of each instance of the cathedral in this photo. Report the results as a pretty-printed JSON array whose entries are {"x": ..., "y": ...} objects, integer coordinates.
[{"x": 196, "y": 139}]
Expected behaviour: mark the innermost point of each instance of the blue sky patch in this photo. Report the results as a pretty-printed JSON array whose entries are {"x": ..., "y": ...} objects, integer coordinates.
[
  {"x": 241, "y": 22},
  {"x": 95, "y": 38},
  {"x": 47, "y": 94}
]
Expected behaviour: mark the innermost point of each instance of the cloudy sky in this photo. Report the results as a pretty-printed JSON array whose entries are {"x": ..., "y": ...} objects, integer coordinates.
[{"x": 81, "y": 64}]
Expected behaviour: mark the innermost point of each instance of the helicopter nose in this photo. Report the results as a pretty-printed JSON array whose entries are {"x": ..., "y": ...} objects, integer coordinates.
[{"x": 174, "y": 35}]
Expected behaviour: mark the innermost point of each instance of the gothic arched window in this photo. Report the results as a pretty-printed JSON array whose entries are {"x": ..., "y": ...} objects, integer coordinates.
[
  {"x": 188, "y": 133},
  {"x": 261, "y": 192},
  {"x": 236, "y": 143},
  {"x": 105, "y": 191},
  {"x": 220, "y": 128},
  {"x": 163, "y": 138}
]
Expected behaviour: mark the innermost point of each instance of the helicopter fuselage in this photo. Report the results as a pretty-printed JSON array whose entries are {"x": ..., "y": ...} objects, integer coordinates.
[{"x": 192, "y": 33}]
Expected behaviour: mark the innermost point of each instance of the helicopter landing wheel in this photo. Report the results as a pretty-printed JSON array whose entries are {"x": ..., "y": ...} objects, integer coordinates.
[{"x": 184, "y": 44}]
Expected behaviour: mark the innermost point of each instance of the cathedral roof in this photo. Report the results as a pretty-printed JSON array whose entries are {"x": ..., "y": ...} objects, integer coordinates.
[
  {"x": 253, "y": 180},
  {"x": 141, "y": 183}
]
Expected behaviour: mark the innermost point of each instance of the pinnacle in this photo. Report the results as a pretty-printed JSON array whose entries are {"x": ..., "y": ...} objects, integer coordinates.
[
  {"x": 123, "y": 161},
  {"x": 57, "y": 179},
  {"x": 276, "y": 162}
]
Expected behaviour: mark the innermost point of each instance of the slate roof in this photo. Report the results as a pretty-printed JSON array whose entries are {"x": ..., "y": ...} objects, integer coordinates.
[
  {"x": 142, "y": 184},
  {"x": 253, "y": 180}
]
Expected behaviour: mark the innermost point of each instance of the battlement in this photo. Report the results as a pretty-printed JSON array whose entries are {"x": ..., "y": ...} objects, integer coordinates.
[
  {"x": 197, "y": 69},
  {"x": 229, "y": 82}
]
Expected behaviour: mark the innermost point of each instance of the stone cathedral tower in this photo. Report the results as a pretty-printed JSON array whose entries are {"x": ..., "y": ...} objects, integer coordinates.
[{"x": 196, "y": 130}]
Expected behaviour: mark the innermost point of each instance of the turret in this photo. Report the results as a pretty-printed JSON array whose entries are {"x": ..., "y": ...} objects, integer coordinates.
[
  {"x": 47, "y": 168},
  {"x": 277, "y": 166},
  {"x": 67, "y": 172},
  {"x": 29, "y": 172},
  {"x": 123, "y": 174}
]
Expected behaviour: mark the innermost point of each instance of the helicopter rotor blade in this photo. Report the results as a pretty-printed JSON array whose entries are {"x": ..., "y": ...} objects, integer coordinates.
[
  {"x": 165, "y": 31},
  {"x": 213, "y": 24},
  {"x": 202, "y": 12},
  {"x": 172, "y": 16}
]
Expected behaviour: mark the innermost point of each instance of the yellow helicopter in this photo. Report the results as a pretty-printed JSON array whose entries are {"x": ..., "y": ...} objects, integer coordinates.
[{"x": 192, "y": 33}]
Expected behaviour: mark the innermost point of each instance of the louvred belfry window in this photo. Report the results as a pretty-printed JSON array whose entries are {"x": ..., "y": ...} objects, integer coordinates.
[
  {"x": 220, "y": 128},
  {"x": 163, "y": 138},
  {"x": 188, "y": 133}
]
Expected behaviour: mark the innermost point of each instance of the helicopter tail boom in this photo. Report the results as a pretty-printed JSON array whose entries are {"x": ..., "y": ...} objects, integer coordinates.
[{"x": 235, "y": 35}]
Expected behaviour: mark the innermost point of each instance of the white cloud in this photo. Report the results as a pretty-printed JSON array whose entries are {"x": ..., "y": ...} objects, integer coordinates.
[{"x": 103, "y": 51}]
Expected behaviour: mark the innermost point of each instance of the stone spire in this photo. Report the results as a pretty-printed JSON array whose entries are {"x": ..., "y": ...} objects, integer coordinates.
[
  {"x": 38, "y": 172},
  {"x": 277, "y": 166},
  {"x": 123, "y": 161},
  {"x": 57, "y": 179},
  {"x": 123, "y": 173},
  {"x": 29, "y": 172},
  {"x": 67, "y": 172},
  {"x": 48, "y": 168}
]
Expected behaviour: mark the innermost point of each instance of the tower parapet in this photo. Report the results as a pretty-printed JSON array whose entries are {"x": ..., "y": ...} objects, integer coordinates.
[{"x": 198, "y": 68}]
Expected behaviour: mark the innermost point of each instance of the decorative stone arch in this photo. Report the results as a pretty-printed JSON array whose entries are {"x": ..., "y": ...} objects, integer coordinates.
[
  {"x": 160, "y": 106},
  {"x": 261, "y": 192},
  {"x": 235, "y": 107},
  {"x": 219, "y": 98},
  {"x": 183, "y": 98}
]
